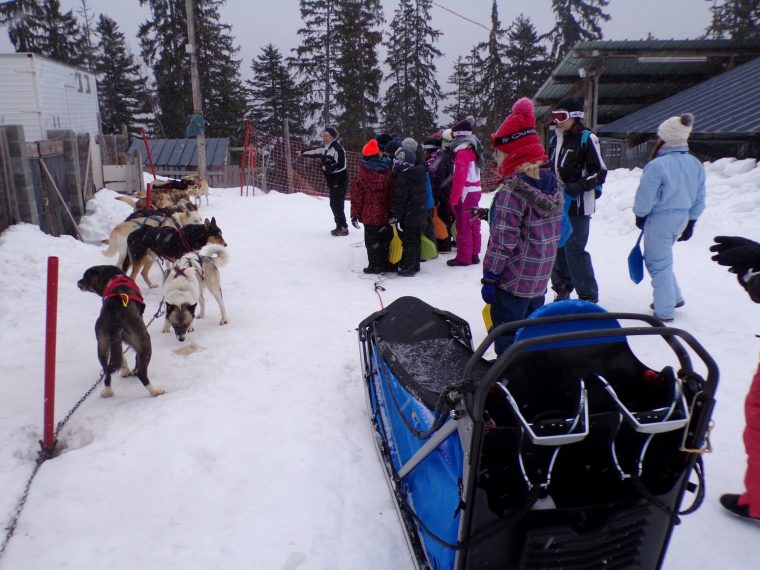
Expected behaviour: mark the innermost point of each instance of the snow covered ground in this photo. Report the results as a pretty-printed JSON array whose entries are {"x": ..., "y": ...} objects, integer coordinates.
[{"x": 260, "y": 455}]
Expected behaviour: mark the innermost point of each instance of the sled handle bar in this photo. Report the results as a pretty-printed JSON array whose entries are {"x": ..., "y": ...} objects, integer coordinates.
[{"x": 508, "y": 356}]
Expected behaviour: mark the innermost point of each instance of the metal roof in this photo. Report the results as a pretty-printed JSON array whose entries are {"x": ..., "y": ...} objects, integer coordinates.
[
  {"x": 723, "y": 105},
  {"x": 181, "y": 153},
  {"x": 633, "y": 74}
]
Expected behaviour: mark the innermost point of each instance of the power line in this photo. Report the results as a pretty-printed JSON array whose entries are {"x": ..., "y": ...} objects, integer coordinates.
[{"x": 460, "y": 16}]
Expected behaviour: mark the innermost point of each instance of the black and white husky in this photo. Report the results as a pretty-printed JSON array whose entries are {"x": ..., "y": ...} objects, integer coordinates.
[{"x": 184, "y": 283}]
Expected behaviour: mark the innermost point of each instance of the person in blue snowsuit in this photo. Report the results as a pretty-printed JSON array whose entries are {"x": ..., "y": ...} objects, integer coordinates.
[{"x": 669, "y": 200}]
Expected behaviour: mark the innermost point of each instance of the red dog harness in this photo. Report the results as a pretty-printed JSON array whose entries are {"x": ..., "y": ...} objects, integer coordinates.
[{"x": 122, "y": 281}]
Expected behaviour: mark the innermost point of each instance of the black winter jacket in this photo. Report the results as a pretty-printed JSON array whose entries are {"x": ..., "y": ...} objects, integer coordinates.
[
  {"x": 409, "y": 197},
  {"x": 580, "y": 168}
]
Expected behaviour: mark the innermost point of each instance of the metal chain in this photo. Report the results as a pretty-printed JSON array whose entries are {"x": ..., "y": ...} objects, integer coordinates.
[{"x": 43, "y": 455}]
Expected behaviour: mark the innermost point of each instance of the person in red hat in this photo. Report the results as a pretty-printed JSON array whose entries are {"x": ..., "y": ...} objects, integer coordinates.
[
  {"x": 371, "y": 198},
  {"x": 525, "y": 219}
]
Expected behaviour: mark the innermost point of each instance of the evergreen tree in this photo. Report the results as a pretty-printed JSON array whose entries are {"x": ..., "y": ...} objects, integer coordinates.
[
  {"x": 274, "y": 94},
  {"x": 119, "y": 84},
  {"x": 22, "y": 18},
  {"x": 88, "y": 50},
  {"x": 316, "y": 58},
  {"x": 60, "y": 37},
  {"x": 163, "y": 39},
  {"x": 734, "y": 19},
  {"x": 576, "y": 20},
  {"x": 464, "y": 99},
  {"x": 358, "y": 75},
  {"x": 224, "y": 98},
  {"x": 411, "y": 101},
  {"x": 528, "y": 59},
  {"x": 490, "y": 67}
]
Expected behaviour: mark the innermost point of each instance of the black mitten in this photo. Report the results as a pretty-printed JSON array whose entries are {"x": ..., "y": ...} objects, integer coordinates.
[
  {"x": 688, "y": 231},
  {"x": 640, "y": 221}
]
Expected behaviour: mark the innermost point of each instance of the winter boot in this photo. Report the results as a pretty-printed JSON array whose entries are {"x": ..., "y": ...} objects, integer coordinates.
[
  {"x": 731, "y": 504},
  {"x": 562, "y": 292},
  {"x": 456, "y": 263},
  {"x": 341, "y": 231}
]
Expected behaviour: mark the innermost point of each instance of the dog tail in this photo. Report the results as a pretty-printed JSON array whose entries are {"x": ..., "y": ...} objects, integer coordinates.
[
  {"x": 126, "y": 200},
  {"x": 216, "y": 252}
]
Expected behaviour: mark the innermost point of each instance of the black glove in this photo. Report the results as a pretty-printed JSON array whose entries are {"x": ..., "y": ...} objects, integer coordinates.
[
  {"x": 640, "y": 221},
  {"x": 688, "y": 231},
  {"x": 739, "y": 259},
  {"x": 597, "y": 194},
  {"x": 723, "y": 243},
  {"x": 480, "y": 213},
  {"x": 355, "y": 222},
  {"x": 574, "y": 189},
  {"x": 329, "y": 164}
]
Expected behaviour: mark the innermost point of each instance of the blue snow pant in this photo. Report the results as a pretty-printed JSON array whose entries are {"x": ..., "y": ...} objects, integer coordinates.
[
  {"x": 661, "y": 231},
  {"x": 507, "y": 308},
  {"x": 573, "y": 268}
]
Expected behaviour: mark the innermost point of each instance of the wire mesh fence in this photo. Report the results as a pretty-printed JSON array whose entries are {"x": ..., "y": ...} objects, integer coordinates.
[{"x": 280, "y": 167}]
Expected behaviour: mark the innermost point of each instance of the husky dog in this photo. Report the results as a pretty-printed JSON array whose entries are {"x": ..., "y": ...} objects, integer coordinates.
[
  {"x": 183, "y": 288},
  {"x": 146, "y": 243},
  {"x": 120, "y": 320}
]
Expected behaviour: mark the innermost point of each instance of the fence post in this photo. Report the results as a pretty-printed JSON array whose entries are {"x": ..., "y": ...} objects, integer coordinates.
[
  {"x": 51, "y": 324},
  {"x": 288, "y": 162},
  {"x": 147, "y": 195},
  {"x": 248, "y": 127}
]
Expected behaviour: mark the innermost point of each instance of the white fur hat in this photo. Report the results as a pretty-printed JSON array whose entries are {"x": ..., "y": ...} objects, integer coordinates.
[{"x": 675, "y": 131}]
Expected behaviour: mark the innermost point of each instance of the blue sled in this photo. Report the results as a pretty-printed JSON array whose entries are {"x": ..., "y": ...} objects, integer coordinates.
[{"x": 566, "y": 452}]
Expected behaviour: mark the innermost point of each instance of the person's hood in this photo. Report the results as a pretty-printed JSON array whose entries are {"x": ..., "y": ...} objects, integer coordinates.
[
  {"x": 376, "y": 164},
  {"x": 542, "y": 194},
  {"x": 472, "y": 142}
]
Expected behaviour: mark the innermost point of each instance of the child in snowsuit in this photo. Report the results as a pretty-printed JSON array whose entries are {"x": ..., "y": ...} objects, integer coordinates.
[
  {"x": 465, "y": 193},
  {"x": 371, "y": 197},
  {"x": 525, "y": 221},
  {"x": 669, "y": 199},
  {"x": 409, "y": 199},
  {"x": 743, "y": 258}
]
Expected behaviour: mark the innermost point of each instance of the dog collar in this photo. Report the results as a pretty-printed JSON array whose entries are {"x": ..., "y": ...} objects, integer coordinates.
[{"x": 122, "y": 281}]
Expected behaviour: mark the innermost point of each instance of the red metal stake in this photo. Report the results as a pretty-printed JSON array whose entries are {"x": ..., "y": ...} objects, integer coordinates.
[
  {"x": 147, "y": 195},
  {"x": 51, "y": 324},
  {"x": 248, "y": 128},
  {"x": 147, "y": 150}
]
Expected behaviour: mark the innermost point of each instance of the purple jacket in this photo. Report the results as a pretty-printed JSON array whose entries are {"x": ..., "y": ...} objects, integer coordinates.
[{"x": 525, "y": 221}]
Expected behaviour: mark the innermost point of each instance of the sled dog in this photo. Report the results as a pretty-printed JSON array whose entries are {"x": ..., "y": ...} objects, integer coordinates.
[
  {"x": 184, "y": 283},
  {"x": 120, "y": 320}
]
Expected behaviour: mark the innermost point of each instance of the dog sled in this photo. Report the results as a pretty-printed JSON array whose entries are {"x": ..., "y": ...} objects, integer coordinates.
[{"x": 566, "y": 452}]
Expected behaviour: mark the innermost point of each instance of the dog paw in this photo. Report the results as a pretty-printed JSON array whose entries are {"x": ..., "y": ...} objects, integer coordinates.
[
  {"x": 156, "y": 391},
  {"x": 223, "y": 322},
  {"x": 127, "y": 372},
  {"x": 106, "y": 392}
]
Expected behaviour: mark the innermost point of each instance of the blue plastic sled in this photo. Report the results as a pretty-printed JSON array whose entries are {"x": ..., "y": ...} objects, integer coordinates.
[{"x": 565, "y": 452}]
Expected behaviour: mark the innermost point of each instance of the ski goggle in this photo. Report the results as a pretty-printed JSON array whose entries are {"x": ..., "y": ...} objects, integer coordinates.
[{"x": 559, "y": 117}]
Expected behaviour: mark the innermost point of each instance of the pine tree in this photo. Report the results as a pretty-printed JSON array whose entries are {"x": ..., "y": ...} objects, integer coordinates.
[
  {"x": 528, "y": 59},
  {"x": 22, "y": 18},
  {"x": 119, "y": 84},
  {"x": 576, "y": 20},
  {"x": 464, "y": 98},
  {"x": 163, "y": 40},
  {"x": 224, "y": 98},
  {"x": 358, "y": 75},
  {"x": 88, "y": 50},
  {"x": 316, "y": 58},
  {"x": 274, "y": 94},
  {"x": 490, "y": 67},
  {"x": 60, "y": 36},
  {"x": 734, "y": 19},
  {"x": 411, "y": 101}
]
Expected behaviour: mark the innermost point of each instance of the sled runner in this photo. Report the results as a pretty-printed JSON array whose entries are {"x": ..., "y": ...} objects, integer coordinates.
[{"x": 565, "y": 452}]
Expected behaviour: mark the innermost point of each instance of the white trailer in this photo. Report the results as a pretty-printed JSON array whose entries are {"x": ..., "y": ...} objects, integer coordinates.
[{"x": 41, "y": 94}]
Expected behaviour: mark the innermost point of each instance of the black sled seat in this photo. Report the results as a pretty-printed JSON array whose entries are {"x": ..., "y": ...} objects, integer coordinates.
[{"x": 565, "y": 452}]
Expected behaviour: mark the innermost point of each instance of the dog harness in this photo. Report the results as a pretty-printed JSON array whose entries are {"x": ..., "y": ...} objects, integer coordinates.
[
  {"x": 182, "y": 237},
  {"x": 122, "y": 281}
]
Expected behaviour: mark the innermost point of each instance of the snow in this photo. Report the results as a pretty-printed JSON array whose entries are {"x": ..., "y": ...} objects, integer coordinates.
[{"x": 260, "y": 454}]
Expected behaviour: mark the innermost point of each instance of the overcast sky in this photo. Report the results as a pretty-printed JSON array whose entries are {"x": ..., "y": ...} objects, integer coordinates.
[{"x": 256, "y": 23}]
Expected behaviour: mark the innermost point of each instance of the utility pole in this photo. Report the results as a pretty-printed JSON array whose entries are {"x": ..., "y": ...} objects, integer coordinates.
[{"x": 200, "y": 138}]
